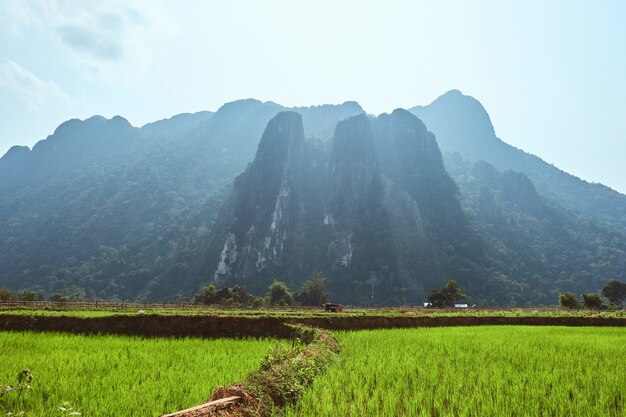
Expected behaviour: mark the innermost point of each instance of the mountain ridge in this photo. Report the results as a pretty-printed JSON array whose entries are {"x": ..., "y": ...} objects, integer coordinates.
[
  {"x": 274, "y": 225},
  {"x": 127, "y": 212},
  {"x": 477, "y": 141}
]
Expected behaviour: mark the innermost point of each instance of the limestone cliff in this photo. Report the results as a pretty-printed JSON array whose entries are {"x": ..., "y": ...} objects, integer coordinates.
[{"x": 375, "y": 211}]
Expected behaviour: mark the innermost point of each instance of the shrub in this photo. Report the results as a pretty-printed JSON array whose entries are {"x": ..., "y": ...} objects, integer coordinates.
[
  {"x": 568, "y": 300},
  {"x": 592, "y": 301},
  {"x": 313, "y": 291},
  {"x": 615, "y": 291},
  {"x": 279, "y": 294},
  {"x": 446, "y": 296},
  {"x": 6, "y": 294}
]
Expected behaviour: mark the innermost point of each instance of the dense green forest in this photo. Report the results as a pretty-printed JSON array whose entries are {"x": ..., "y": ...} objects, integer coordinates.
[
  {"x": 105, "y": 210},
  {"x": 462, "y": 125},
  {"x": 535, "y": 244},
  {"x": 126, "y": 213}
]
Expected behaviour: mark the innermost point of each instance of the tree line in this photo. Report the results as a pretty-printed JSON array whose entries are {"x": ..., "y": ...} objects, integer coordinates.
[
  {"x": 614, "y": 292},
  {"x": 312, "y": 293}
]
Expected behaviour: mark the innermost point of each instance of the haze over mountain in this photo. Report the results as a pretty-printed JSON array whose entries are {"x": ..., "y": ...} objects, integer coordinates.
[
  {"x": 151, "y": 212},
  {"x": 123, "y": 211},
  {"x": 462, "y": 125},
  {"x": 367, "y": 218}
]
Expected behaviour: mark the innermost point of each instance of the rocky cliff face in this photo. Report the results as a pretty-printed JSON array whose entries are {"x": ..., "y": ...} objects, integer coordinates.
[
  {"x": 264, "y": 207},
  {"x": 127, "y": 213},
  {"x": 376, "y": 212},
  {"x": 354, "y": 187}
]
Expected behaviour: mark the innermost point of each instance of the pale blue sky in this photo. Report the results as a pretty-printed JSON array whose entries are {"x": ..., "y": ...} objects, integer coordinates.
[{"x": 552, "y": 74}]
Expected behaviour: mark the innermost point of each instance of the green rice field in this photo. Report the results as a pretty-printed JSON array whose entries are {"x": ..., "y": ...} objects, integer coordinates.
[
  {"x": 474, "y": 371},
  {"x": 119, "y": 375},
  {"x": 446, "y": 371}
]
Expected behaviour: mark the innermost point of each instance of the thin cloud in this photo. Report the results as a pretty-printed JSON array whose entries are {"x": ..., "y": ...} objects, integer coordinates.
[
  {"x": 33, "y": 91},
  {"x": 96, "y": 32},
  {"x": 84, "y": 40},
  {"x": 14, "y": 16},
  {"x": 113, "y": 39}
]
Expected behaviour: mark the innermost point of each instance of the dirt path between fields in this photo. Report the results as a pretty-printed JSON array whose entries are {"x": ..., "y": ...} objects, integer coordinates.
[{"x": 224, "y": 326}]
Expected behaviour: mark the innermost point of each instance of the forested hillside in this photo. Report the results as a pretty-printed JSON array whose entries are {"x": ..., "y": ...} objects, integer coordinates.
[
  {"x": 462, "y": 125},
  {"x": 541, "y": 248},
  {"x": 102, "y": 209},
  {"x": 125, "y": 212}
]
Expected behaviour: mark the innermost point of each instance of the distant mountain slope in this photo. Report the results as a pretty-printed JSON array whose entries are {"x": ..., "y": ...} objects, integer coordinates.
[
  {"x": 462, "y": 125},
  {"x": 379, "y": 215},
  {"x": 123, "y": 211},
  {"x": 177, "y": 125},
  {"x": 152, "y": 212},
  {"x": 376, "y": 212},
  {"x": 535, "y": 244}
]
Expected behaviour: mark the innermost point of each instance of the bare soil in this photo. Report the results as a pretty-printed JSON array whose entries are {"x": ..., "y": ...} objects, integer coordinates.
[{"x": 236, "y": 327}]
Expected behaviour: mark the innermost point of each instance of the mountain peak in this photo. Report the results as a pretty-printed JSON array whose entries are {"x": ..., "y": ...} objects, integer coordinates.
[
  {"x": 408, "y": 117},
  {"x": 244, "y": 102},
  {"x": 468, "y": 112},
  {"x": 16, "y": 151},
  {"x": 94, "y": 121},
  {"x": 90, "y": 135},
  {"x": 283, "y": 135},
  {"x": 457, "y": 119},
  {"x": 95, "y": 118},
  {"x": 115, "y": 120},
  {"x": 452, "y": 93},
  {"x": 353, "y": 105},
  {"x": 284, "y": 120},
  {"x": 67, "y": 126},
  {"x": 353, "y": 140},
  {"x": 245, "y": 105}
]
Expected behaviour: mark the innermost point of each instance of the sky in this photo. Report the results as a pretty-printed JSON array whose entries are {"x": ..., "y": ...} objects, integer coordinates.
[{"x": 551, "y": 74}]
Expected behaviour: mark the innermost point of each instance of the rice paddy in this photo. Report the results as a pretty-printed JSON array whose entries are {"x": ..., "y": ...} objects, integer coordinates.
[
  {"x": 119, "y": 375},
  {"x": 447, "y": 371},
  {"x": 474, "y": 371}
]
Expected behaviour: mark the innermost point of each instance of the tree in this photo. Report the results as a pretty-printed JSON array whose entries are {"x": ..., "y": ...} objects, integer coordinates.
[
  {"x": 615, "y": 292},
  {"x": 313, "y": 291},
  {"x": 446, "y": 296},
  {"x": 6, "y": 294},
  {"x": 240, "y": 295},
  {"x": 279, "y": 294},
  {"x": 25, "y": 295},
  {"x": 210, "y": 294},
  {"x": 206, "y": 295},
  {"x": 223, "y": 296},
  {"x": 592, "y": 301},
  {"x": 568, "y": 300}
]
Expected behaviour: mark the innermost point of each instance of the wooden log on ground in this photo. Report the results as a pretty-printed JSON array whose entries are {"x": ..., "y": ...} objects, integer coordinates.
[{"x": 211, "y": 404}]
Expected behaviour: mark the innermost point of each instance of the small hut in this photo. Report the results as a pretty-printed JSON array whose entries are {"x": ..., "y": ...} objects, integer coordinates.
[{"x": 333, "y": 308}]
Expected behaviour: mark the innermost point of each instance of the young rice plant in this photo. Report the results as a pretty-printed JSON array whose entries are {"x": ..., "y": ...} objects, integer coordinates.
[
  {"x": 120, "y": 375},
  {"x": 474, "y": 371}
]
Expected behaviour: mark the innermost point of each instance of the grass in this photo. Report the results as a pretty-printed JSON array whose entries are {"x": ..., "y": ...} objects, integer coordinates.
[
  {"x": 119, "y": 375},
  {"x": 474, "y": 371}
]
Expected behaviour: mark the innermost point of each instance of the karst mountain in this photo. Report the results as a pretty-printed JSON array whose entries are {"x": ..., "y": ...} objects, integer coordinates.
[{"x": 387, "y": 207}]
